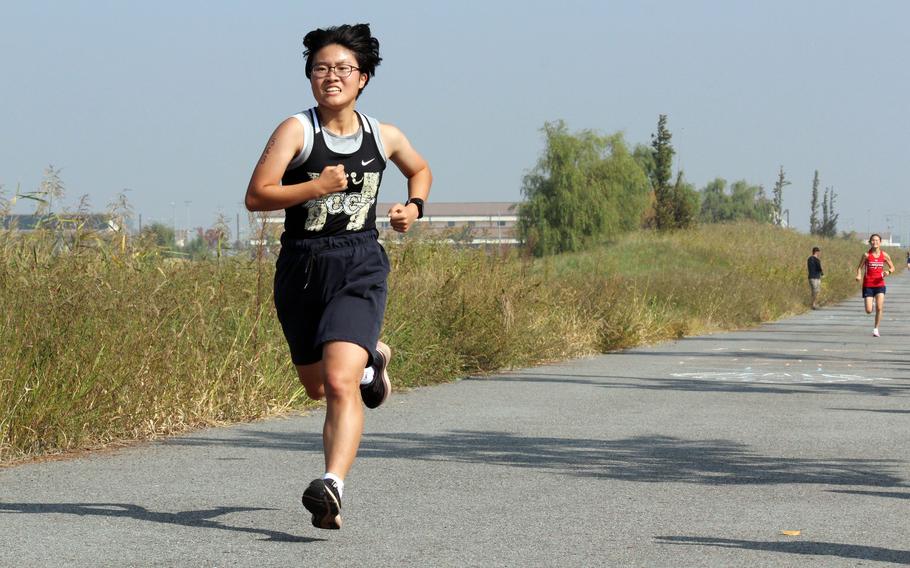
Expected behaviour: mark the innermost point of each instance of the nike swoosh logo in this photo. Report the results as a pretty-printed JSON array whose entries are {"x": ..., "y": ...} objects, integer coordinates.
[{"x": 362, "y": 163}]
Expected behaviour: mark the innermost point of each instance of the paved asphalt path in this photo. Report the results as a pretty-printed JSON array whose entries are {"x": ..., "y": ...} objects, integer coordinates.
[{"x": 693, "y": 453}]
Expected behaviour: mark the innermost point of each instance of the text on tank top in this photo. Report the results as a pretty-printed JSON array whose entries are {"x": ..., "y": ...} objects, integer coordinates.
[{"x": 350, "y": 211}]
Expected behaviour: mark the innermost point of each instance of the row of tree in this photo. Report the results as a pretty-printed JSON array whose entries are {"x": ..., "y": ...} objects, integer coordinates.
[
  {"x": 197, "y": 244},
  {"x": 587, "y": 188},
  {"x": 827, "y": 225}
]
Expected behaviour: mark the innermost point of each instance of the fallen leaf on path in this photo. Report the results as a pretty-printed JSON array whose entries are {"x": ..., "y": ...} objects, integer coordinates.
[{"x": 790, "y": 533}]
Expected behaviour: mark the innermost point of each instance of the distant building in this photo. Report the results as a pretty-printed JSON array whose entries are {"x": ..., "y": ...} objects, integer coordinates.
[
  {"x": 100, "y": 222},
  {"x": 889, "y": 239},
  {"x": 471, "y": 223}
]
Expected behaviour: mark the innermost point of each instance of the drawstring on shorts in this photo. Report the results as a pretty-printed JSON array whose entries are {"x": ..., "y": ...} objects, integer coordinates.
[{"x": 308, "y": 270}]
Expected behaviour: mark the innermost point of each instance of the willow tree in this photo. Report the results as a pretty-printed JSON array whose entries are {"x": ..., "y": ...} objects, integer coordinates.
[
  {"x": 743, "y": 201},
  {"x": 586, "y": 188}
]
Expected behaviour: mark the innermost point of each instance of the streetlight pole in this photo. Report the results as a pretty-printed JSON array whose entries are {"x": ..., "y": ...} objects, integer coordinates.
[
  {"x": 187, "y": 205},
  {"x": 901, "y": 216},
  {"x": 900, "y": 229},
  {"x": 900, "y": 224},
  {"x": 126, "y": 204}
]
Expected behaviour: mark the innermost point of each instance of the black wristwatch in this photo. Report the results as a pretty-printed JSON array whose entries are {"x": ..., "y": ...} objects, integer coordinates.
[{"x": 419, "y": 203}]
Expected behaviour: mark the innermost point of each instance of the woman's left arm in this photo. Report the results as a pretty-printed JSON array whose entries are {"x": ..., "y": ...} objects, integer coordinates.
[{"x": 412, "y": 165}]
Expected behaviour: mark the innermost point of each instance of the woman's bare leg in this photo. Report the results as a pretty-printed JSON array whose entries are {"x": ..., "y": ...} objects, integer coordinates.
[
  {"x": 879, "y": 308},
  {"x": 343, "y": 365}
]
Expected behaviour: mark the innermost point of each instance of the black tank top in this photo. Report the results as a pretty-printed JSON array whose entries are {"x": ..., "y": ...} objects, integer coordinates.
[{"x": 350, "y": 211}]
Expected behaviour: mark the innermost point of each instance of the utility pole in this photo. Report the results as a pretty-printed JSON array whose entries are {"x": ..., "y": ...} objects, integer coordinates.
[
  {"x": 900, "y": 227},
  {"x": 188, "y": 226},
  {"x": 174, "y": 211},
  {"x": 123, "y": 218}
]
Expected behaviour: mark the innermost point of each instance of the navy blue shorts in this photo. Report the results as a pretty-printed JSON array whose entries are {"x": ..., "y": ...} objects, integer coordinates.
[
  {"x": 871, "y": 292},
  {"x": 331, "y": 289}
]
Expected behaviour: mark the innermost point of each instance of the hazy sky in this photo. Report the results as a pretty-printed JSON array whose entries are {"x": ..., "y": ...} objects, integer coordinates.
[{"x": 175, "y": 100}]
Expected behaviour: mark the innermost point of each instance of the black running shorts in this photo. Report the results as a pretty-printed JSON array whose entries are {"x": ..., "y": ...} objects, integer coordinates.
[
  {"x": 331, "y": 289},
  {"x": 873, "y": 291}
]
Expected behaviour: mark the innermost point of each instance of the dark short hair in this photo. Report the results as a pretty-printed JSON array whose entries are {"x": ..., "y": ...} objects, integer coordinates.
[
  {"x": 357, "y": 38},
  {"x": 816, "y": 249}
]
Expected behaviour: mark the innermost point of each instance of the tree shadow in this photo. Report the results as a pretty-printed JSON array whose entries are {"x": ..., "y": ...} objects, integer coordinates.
[
  {"x": 787, "y": 340},
  {"x": 759, "y": 387},
  {"x": 807, "y": 547},
  {"x": 888, "y": 494},
  {"x": 764, "y": 355},
  {"x": 202, "y": 518},
  {"x": 650, "y": 459},
  {"x": 703, "y": 385},
  {"x": 881, "y": 410}
]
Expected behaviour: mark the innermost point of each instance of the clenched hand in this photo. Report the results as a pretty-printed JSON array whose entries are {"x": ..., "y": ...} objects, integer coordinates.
[
  {"x": 402, "y": 217},
  {"x": 333, "y": 179}
]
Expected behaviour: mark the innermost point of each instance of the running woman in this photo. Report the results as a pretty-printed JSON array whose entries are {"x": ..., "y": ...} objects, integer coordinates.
[
  {"x": 323, "y": 166},
  {"x": 872, "y": 272}
]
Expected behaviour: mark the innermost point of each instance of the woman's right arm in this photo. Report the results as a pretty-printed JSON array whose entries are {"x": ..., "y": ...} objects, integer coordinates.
[
  {"x": 859, "y": 269},
  {"x": 265, "y": 192}
]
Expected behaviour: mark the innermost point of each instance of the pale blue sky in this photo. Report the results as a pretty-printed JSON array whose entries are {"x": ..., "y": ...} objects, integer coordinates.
[{"x": 175, "y": 100}]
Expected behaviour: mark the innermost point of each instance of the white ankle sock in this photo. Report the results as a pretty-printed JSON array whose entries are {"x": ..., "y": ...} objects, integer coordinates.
[
  {"x": 367, "y": 376},
  {"x": 338, "y": 481}
]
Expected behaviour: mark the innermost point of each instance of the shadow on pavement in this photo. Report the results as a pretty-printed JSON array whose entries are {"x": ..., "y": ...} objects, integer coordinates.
[
  {"x": 881, "y": 410},
  {"x": 814, "y": 548},
  {"x": 888, "y": 494},
  {"x": 202, "y": 518},
  {"x": 696, "y": 385},
  {"x": 788, "y": 340},
  {"x": 755, "y": 354},
  {"x": 651, "y": 459}
]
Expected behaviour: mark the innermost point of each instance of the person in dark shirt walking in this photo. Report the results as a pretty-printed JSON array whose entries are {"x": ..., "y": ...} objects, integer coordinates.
[{"x": 815, "y": 275}]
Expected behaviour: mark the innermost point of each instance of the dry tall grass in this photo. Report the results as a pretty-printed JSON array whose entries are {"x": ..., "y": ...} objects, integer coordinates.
[
  {"x": 98, "y": 346},
  {"x": 102, "y": 343}
]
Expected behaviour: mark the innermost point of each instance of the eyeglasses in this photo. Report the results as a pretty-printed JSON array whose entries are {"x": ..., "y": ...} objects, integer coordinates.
[{"x": 341, "y": 71}]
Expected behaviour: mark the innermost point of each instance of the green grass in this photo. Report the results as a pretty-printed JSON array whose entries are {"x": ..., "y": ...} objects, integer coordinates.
[{"x": 105, "y": 344}]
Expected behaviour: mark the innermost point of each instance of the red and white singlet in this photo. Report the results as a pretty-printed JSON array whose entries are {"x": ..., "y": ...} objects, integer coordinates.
[{"x": 874, "y": 268}]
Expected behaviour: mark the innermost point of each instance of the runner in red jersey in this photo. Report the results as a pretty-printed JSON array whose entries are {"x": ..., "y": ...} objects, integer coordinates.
[{"x": 872, "y": 272}]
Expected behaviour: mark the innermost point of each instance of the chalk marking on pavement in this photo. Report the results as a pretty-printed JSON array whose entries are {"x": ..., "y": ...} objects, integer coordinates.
[{"x": 777, "y": 377}]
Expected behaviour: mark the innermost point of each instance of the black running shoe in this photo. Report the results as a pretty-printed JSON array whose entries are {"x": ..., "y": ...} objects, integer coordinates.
[
  {"x": 376, "y": 392},
  {"x": 322, "y": 499}
]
